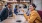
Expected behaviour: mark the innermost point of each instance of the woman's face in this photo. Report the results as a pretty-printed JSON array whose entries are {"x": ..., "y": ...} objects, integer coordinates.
[{"x": 31, "y": 8}]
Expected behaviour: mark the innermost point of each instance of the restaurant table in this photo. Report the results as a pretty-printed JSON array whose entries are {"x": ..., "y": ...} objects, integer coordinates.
[{"x": 17, "y": 19}]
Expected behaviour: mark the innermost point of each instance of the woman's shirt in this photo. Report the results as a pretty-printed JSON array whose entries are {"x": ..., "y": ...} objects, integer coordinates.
[{"x": 34, "y": 16}]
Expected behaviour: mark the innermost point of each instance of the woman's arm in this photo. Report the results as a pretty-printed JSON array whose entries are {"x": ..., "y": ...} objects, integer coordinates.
[
  {"x": 26, "y": 17},
  {"x": 33, "y": 16}
]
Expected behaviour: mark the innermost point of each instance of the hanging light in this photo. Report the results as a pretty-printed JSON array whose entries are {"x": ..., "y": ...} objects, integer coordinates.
[
  {"x": 18, "y": 0},
  {"x": 0, "y": 4}
]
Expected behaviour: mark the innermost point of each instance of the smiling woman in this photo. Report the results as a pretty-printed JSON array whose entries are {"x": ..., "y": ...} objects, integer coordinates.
[{"x": 33, "y": 13}]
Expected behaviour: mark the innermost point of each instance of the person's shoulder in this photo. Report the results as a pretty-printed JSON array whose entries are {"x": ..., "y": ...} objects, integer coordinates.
[
  {"x": 4, "y": 8},
  {"x": 35, "y": 12},
  {"x": 14, "y": 8}
]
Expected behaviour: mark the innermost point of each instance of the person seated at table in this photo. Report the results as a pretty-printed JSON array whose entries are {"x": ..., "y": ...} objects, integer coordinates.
[
  {"x": 16, "y": 9},
  {"x": 6, "y": 12},
  {"x": 33, "y": 17}
]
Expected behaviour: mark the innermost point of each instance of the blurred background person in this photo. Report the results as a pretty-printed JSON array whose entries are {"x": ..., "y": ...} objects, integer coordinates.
[
  {"x": 9, "y": 10},
  {"x": 33, "y": 17},
  {"x": 0, "y": 10},
  {"x": 0, "y": 13},
  {"x": 6, "y": 12},
  {"x": 16, "y": 9}
]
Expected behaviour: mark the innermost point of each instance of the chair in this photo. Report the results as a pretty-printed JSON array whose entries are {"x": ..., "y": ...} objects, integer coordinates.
[{"x": 40, "y": 13}]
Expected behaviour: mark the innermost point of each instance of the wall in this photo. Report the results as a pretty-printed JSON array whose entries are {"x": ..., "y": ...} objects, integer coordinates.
[
  {"x": 38, "y": 4},
  {"x": 41, "y": 4}
]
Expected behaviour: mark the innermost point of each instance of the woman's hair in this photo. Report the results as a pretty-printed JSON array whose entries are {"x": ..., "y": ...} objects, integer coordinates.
[{"x": 33, "y": 5}]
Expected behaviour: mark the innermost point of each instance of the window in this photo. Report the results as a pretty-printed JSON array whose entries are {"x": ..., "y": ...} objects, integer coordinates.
[
  {"x": 24, "y": 0},
  {"x": 25, "y": 6}
]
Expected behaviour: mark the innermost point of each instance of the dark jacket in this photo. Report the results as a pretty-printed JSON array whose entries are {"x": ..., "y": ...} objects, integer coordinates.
[
  {"x": 4, "y": 13},
  {"x": 15, "y": 11}
]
